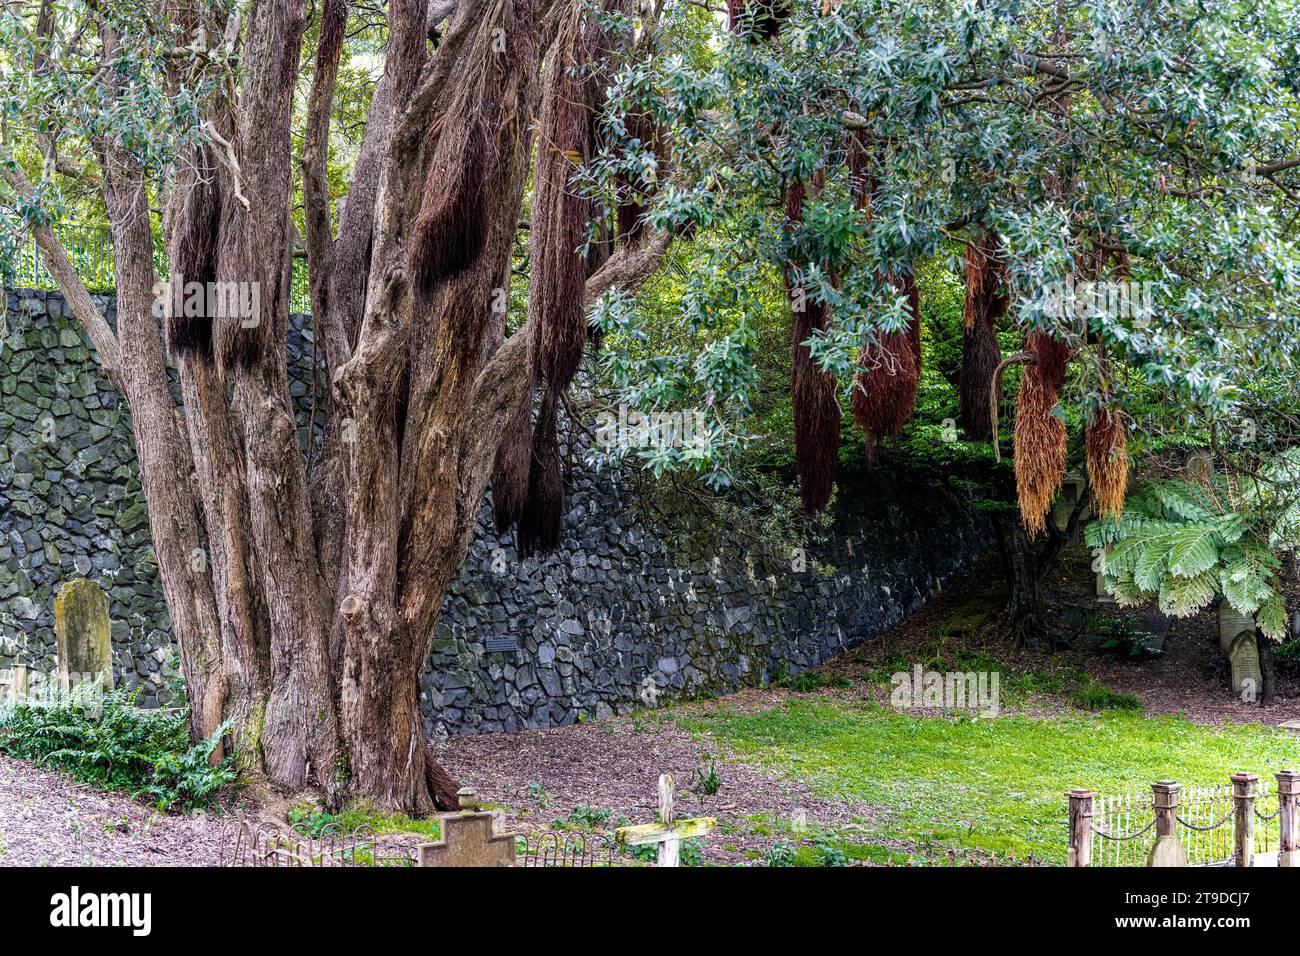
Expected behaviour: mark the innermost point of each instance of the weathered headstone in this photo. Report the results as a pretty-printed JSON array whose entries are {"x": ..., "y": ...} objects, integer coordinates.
[
  {"x": 1155, "y": 627},
  {"x": 1231, "y": 623},
  {"x": 1167, "y": 851},
  {"x": 1072, "y": 489},
  {"x": 1244, "y": 657},
  {"x": 13, "y": 684},
  {"x": 1104, "y": 595},
  {"x": 468, "y": 838},
  {"x": 81, "y": 631}
]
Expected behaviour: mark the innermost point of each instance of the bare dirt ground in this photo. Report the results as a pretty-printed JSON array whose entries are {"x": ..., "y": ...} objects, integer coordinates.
[
  {"x": 47, "y": 819},
  {"x": 535, "y": 777}
]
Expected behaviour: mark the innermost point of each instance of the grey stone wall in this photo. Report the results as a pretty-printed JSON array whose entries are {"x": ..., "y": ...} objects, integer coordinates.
[
  {"x": 629, "y": 612},
  {"x": 632, "y": 612}
]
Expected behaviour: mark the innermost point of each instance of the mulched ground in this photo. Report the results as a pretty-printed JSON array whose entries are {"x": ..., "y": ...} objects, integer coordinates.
[
  {"x": 47, "y": 819},
  {"x": 535, "y": 777},
  {"x": 615, "y": 765}
]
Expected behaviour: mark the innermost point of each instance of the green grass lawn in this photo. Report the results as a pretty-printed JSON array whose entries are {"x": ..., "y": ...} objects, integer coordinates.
[{"x": 986, "y": 784}]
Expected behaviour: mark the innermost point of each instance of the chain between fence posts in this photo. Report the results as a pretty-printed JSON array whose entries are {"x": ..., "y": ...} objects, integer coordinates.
[
  {"x": 1288, "y": 795},
  {"x": 1080, "y": 853},
  {"x": 1243, "y": 801}
]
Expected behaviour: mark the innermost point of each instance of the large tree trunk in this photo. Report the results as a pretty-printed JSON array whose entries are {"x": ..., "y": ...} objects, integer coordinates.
[
  {"x": 1025, "y": 616},
  {"x": 304, "y": 589}
]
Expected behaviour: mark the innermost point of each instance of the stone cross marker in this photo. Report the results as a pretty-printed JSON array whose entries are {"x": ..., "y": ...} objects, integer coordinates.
[
  {"x": 81, "y": 631},
  {"x": 468, "y": 838},
  {"x": 668, "y": 832}
]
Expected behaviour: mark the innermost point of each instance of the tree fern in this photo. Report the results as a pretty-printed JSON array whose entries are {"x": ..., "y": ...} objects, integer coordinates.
[{"x": 1185, "y": 542}]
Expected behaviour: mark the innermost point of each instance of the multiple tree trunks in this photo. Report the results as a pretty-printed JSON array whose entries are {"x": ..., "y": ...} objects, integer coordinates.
[{"x": 304, "y": 594}]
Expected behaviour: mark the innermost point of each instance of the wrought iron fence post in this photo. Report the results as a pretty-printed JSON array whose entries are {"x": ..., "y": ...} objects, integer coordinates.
[
  {"x": 1080, "y": 827},
  {"x": 1243, "y": 801},
  {"x": 1288, "y": 793}
]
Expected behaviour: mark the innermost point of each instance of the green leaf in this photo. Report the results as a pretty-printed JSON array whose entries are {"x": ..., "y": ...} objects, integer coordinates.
[
  {"x": 1184, "y": 596},
  {"x": 1193, "y": 550}
]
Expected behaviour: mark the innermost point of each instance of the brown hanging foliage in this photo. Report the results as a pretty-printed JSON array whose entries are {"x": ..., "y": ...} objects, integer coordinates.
[
  {"x": 527, "y": 482},
  {"x": 194, "y": 258},
  {"x": 542, "y": 516},
  {"x": 558, "y": 271},
  {"x": 813, "y": 395},
  {"x": 884, "y": 393},
  {"x": 757, "y": 19},
  {"x": 513, "y": 464},
  {"x": 1040, "y": 438},
  {"x": 986, "y": 304},
  {"x": 1107, "y": 450},
  {"x": 450, "y": 230}
]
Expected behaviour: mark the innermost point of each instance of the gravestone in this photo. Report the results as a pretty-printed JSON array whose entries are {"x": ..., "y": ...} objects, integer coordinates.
[
  {"x": 1244, "y": 657},
  {"x": 1231, "y": 623},
  {"x": 1072, "y": 489},
  {"x": 1104, "y": 596},
  {"x": 81, "y": 632},
  {"x": 468, "y": 838},
  {"x": 1156, "y": 628},
  {"x": 1167, "y": 851}
]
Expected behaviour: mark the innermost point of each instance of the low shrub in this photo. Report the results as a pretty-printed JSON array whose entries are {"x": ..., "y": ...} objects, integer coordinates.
[
  {"x": 142, "y": 752},
  {"x": 1094, "y": 696},
  {"x": 1120, "y": 637}
]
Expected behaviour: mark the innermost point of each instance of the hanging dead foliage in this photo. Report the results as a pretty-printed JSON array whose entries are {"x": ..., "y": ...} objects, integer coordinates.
[
  {"x": 558, "y": 270},
  {"x": 543, "y": 512},
  {"x": 510, "y": 470},
  {"x": 816, "y": 412},
  {"x": 1040, "y": 437},
  {"x": 194, "y": 259},
  {"x": 813, "y": 394},
  {"x": 912, "y": 292},
  {"x": 528, "y": 468},
  {"x": 884, "y": 393},
  {"x": 1106, "y": 443},
  {"x": 757, "y": 19},
  {"x": 986, "y": 304},
  {"x": 450, "y": 230}
]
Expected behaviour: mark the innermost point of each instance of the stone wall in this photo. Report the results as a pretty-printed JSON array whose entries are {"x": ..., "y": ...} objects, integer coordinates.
[{"x": 630, "y": 611}]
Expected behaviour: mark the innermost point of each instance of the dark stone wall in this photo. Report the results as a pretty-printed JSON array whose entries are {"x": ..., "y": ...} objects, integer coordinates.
[{"x": 629, "y": 612}]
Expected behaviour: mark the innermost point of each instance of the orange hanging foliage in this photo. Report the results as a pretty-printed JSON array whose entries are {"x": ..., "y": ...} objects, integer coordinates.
[
  {"x": 1040, "y": 439},
  {"x": 1107, "y": 449}
]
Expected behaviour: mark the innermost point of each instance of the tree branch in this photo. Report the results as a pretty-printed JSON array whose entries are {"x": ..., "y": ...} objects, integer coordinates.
[{"x": 69, "y": 283}]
